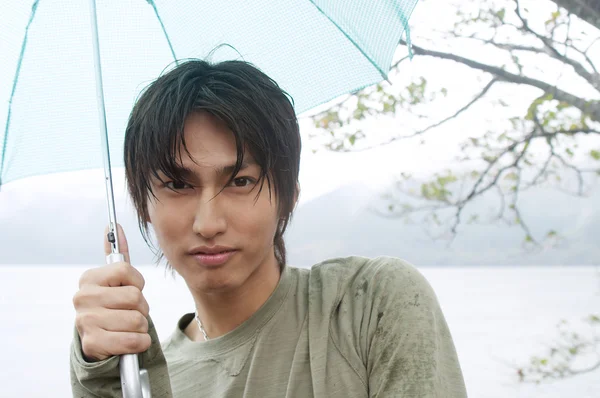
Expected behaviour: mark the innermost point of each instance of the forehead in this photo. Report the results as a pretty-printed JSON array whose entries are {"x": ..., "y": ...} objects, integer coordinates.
[
  {"x": 207, "y": 139},
  {"x": 210, "y": 144}
]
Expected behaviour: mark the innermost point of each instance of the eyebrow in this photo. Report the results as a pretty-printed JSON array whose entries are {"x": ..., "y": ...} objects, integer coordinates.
[{"x": 219, "y": 170}]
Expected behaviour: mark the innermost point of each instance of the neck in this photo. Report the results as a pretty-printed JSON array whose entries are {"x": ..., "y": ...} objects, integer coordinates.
[{"x": 222, "y": 312}]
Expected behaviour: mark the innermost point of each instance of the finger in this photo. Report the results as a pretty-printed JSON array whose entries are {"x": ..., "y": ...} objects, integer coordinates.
[
  {"x": 93, "y": 297},
  {"x": 123, "y": 246},
  {"x": 103, "y": 344},
  {"x": 116, "y": 320},
  {"x": 128, "y": 343},
  {"x": 112, "y": 275}
]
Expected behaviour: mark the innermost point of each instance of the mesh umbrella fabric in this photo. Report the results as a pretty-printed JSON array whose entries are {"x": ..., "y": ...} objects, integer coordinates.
[{"x": 316, "y": 50}]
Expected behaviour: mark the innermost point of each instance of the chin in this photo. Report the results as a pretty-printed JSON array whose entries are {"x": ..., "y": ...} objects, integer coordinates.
[{"x": 216, "y": 280}]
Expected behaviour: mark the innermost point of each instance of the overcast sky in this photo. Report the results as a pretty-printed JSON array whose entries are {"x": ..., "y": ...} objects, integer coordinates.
[{"x": 55, "y": 218}]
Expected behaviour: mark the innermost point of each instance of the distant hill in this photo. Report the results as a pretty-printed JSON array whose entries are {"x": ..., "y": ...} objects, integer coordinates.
[
  {"x": 340, "y": 223},
  {"x": 336, "y": 224}
]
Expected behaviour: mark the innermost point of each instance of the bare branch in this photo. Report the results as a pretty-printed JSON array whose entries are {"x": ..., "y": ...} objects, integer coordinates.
[
  {"x": 430, "y": 127},
  {"x": 587, "y": 10},
  {"x": 515, "y": 207},
  {"x": 543, "y": 170},
  {"x": 567, "y": 132},
  {"x": 592, "y": 78},
  {"x": 576, "y": 170},
  {"x": 592, "y": 108}
]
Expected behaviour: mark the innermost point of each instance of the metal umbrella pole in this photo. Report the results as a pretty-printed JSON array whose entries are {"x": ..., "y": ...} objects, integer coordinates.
[{"x": 135, "y": 382}]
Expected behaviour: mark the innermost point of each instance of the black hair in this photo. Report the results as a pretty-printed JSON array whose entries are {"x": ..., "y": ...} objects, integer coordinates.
[{"x": 252, "y": 105}]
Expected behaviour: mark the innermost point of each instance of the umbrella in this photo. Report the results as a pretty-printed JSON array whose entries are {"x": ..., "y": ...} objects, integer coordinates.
[{"x": 70, "y": 72}]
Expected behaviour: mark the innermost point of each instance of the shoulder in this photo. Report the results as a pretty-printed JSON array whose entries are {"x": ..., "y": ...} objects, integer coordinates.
[
  {"x": 364, "y": 300},
  {"x": 369, "y": 277}
]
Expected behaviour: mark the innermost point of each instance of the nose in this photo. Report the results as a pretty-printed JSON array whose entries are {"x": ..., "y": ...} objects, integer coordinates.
[{"x": 209, "y": 220}]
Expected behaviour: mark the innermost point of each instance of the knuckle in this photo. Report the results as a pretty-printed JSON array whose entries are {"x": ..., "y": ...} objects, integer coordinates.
[
  {"x": 135, "y": 297},
  {"x": 139, "y": 322},
  {"x": 146, "y": 341},
  {"x": 83, "y": 320},
  {"x": 89, "y": 346},
  {"x": 79, "y": 323},
  {"x": 133, "y": 342},
  {"x": 84, "y": 278},
  {"x": 144, "y": 307},
  {"x": 78, "y": 299},
  {"x": 121, "y": 271}
]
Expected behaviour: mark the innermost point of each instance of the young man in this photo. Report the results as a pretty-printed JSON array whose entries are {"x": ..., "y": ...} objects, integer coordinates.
[{"x": 212, "y": 157}]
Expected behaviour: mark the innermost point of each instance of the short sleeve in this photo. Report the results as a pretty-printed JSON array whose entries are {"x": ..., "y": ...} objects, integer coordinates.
[{"x": 410, "y": 350}]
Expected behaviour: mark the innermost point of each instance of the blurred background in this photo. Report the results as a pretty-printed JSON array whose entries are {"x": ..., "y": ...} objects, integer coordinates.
[{"x": 479, "y": 164}]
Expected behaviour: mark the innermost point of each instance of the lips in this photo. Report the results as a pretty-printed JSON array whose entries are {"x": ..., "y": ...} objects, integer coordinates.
[
  {"x": 213, "y": 256},
  {"x": 211, "y": 249}
]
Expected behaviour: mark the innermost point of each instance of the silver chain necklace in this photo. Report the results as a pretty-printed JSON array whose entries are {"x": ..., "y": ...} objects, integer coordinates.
[{"x": 201, "y": 327}]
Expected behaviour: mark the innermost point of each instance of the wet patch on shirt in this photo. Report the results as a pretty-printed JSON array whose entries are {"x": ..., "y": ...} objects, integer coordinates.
[
  {"x": 415, "y": 301},
  {"x": 362, "y": 289}
]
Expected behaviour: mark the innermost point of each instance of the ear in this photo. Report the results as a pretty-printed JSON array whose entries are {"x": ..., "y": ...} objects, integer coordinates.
[{"x": 296, "y": 195}]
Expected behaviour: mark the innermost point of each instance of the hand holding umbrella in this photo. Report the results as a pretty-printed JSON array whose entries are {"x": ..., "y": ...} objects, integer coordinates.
[{"x": 112, "y": 311}]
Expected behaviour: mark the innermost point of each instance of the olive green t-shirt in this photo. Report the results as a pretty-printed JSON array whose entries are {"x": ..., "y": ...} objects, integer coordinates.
[{"x": 347, "y": 327}]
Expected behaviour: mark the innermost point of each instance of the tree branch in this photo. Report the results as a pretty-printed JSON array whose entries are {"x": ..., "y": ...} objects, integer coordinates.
[
  {"x": 529, "y": 236},
  {"x": 587, "y": 10},
  {"x": 591, "y": 108},
  {"x": 592, "y": 78},
  {"x": 432, "y": 126}
]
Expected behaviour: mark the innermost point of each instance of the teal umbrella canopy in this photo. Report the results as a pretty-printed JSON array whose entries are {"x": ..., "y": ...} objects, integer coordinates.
[{"x": 316, "y": 50}]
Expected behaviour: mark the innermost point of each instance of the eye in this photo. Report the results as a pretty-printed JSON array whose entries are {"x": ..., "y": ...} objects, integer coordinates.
[
  {"x": 241, "y": 182},
  {"x": 176, "y": 185}
]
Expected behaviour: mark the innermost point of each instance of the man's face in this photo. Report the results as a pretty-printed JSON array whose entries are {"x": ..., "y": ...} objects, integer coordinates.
[{"x": 216, "y": 238}]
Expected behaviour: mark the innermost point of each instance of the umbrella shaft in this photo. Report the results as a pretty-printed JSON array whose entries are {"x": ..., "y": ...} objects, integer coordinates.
[{"x": 112, "y": 231}]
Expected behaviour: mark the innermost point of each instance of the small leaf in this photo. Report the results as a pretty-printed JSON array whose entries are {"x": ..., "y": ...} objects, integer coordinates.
[
  {"x": 573, "y": 350},
  {"x": 500, "y": 14},
  {"x": 595, "y": 154},
  {"x": 388, "y": 108}
]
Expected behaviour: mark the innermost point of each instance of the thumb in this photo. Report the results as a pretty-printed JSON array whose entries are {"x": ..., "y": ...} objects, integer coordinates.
[{"x": 123, "y": 247}]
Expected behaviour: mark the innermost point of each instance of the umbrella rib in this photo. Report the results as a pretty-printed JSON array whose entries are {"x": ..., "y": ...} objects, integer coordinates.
[
  {"x": 151, "y": 2},
  {"x": 14, "y": 87},
  {"x": 383, "y": 74}
]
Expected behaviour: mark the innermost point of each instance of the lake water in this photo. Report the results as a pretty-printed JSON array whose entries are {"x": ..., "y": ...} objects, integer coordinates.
[{"x": 499, "y": 317}]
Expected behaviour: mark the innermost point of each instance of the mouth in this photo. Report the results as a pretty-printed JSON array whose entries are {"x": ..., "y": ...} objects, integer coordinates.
[
  {"x": 211, "y": 257},
  {"x": 209, "y": 253}
]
